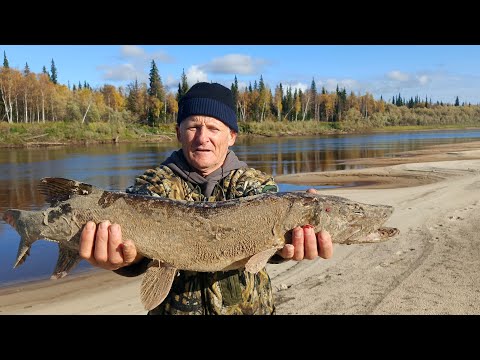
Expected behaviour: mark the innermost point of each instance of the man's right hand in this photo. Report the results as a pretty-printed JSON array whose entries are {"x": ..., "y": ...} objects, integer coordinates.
[{"x": 102, "y": 246}]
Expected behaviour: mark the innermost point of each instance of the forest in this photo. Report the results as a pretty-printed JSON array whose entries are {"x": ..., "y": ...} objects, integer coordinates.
[{"x": 37, "y": 98}]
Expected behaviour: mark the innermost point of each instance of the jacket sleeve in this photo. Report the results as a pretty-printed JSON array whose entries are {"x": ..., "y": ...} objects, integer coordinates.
[{"x": 135, "y": 269}]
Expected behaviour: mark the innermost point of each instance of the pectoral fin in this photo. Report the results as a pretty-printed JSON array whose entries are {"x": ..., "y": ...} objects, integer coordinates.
[
  {"x": 156, "y": 284},
  {"x": 67, "y": 260},
  {"x": 258, "y": 261}
]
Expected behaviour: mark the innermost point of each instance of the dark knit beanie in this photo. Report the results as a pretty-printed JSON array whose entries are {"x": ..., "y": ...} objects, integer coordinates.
[{"x": 208, "y": 99}]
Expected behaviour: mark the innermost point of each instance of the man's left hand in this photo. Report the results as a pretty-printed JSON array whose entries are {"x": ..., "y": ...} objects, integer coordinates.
[{"x": 306, "y": 244}]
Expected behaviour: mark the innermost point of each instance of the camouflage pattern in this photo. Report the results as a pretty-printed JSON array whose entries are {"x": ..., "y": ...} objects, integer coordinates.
[{"x": 225, "y": 293}]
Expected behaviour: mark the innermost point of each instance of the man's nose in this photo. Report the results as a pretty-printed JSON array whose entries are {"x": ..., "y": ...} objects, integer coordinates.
[{"x": 202, "y": 134}]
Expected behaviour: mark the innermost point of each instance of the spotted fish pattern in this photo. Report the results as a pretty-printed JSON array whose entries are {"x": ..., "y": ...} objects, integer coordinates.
[{"x": 225, "y": 292}]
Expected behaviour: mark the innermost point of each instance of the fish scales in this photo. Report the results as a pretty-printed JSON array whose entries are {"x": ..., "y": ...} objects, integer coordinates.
[{"x": 196, "y": 236}]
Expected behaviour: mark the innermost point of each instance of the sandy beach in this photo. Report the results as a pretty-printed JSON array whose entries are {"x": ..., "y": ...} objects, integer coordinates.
[{"x": 430, "y": 268}]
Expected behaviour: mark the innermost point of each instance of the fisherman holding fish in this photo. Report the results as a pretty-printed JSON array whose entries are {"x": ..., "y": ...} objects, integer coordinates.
[{"x": 206, "y": 170}]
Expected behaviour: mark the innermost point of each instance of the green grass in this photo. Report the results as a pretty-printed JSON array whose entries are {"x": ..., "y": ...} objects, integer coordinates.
[{"x": 101, "y": 132}]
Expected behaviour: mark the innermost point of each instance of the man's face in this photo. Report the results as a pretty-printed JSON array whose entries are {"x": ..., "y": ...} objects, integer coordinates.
[{"x": 205, "y": 141}]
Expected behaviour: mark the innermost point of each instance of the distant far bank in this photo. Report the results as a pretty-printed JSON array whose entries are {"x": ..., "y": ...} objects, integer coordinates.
[{"x": 63, "y": 133}]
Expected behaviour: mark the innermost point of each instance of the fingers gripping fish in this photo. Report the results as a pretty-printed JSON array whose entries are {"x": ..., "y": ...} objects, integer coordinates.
[{"x": 195, "y": 236}]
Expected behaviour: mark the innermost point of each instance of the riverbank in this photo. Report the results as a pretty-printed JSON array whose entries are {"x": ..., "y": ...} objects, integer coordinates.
[
  {"x": 430, "y": 268},
  {"x": 19, "y": 135}
]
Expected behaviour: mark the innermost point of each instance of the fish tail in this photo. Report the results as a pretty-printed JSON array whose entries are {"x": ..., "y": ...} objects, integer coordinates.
[
  {"x": 16, "y": 219},
  {"x": 23, "y": 252},
  {"x": 11, "y": 217}
]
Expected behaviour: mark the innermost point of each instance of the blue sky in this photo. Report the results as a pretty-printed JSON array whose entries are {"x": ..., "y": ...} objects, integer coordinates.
[{"x": 439, "y": 72}]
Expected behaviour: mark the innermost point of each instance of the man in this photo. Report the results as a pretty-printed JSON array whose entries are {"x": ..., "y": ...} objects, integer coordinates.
[{"x": 204, "y": 169}]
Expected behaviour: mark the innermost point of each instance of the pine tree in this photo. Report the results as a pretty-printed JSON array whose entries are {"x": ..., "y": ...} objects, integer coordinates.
[
  {"x": 457, "y": 102},
  {"x": 288, "y": 104},
  {"x": 156, "y": 92},
  {"x": 313, "y": 103},
  {"x": 5, "y": 60},
  {"x": 410, "y": 103},
  {"x": 53, "y": 71},
  {"x": 179, "y": 92},
  {"x": 261, "y": 84},
  {"x": 340, "y": 103},
  {"x": 156, "y": 87},
  {"x": 399, "y": 101},
  {"x": 182, "y": 86},
  {"x": 44, "y": 71},
  {"x": 26, "y": 70},
  {"x": 185, "y": 86},
  {"x": 132, "y": 99},
  {"x": 234, "y": 89}
]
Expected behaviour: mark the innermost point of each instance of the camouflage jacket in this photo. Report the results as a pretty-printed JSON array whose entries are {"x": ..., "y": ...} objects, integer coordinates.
[{"x": 229, "y": 292}]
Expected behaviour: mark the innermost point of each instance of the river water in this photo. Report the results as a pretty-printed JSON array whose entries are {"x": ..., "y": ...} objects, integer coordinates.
[{"x": 114, "y": 167}]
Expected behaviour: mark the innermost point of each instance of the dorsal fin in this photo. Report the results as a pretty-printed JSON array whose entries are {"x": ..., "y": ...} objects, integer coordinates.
[{"x": 60, "y": 189}]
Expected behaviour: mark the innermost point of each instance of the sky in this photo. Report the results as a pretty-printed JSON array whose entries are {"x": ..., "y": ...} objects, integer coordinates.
[{"x": 436, "y": 72}]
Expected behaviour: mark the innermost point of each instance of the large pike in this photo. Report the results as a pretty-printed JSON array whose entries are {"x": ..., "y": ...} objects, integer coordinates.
[{"x": 196, "y": 236}]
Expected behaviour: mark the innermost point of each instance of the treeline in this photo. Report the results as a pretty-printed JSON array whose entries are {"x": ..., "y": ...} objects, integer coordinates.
[{"x": 26, "y": 97}]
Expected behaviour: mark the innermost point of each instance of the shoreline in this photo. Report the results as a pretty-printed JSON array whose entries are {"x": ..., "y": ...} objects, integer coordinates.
[
  {"x": 171, "y": 137},
  {"x": 430, "y": 268}
]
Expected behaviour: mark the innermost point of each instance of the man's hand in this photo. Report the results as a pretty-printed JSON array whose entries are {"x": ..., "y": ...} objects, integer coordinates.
[
  {"x": 102, "y": 246},
  {"x": 306, "y": 244}
]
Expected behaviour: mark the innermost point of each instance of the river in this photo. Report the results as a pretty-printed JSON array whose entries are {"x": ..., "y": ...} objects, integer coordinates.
[{"x": 114, "y": 167}]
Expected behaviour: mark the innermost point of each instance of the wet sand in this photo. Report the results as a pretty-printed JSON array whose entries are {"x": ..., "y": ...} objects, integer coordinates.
[{"x": 430, "y": 268}]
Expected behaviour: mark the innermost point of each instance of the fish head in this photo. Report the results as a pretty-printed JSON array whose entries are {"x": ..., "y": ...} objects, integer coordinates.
[{"x": 349, "y": 222}]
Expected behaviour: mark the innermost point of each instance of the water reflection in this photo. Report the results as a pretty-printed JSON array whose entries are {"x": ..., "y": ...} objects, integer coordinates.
[{"x": 114, "y": 167}]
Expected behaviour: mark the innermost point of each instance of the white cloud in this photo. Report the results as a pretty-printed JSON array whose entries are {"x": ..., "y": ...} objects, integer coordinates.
[
  {"x": 331, "y": 85},
  {"x": 234, "y": 64},
  {"x": 423, "y": 79},
  {"x": 171, "y": 84},
  {"x": 242, "y": 85},
  {"x": 132, "y": 51},
  {"x": 398, "y": 76},
  {"x": 437, "y": 85},
  {"x": 297, "y": 86},
  {"x": 160, "y": 56},
  {"x": 139, "y": 54},
  {"x": 136, "y": 64},
  {"x": 349, "y": 84},
  {"x": 396, "y": 81},
  {"x": 195, "y": 74},
  {"x": 122, "y": 72}
]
